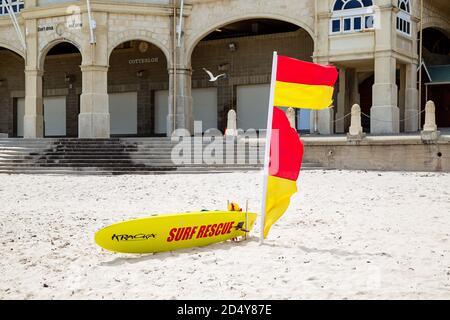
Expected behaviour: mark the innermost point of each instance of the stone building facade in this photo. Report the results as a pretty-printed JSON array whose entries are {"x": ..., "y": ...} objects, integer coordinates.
[{"x": 136, "y": 75}]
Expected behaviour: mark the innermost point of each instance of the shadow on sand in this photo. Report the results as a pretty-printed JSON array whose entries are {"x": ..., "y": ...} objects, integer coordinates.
[{"x": 220, "y": 247}]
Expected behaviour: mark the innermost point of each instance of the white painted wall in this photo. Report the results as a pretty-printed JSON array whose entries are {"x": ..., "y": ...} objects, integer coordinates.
[
  {"x": 205, "y": 107},
  {"x": 123, "y": 112},
  {"x": 252, "y": 106},
  {"x": 20, "y": 115},
  {"x": 55, "y": 116},
  {"x": 161, "y": 111}
]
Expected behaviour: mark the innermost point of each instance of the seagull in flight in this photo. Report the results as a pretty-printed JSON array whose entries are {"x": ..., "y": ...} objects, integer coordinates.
[{"x": 213, "y": 78}]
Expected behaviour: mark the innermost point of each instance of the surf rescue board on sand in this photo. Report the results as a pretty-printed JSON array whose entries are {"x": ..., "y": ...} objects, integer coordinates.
[{"x": 169, "y": 232}]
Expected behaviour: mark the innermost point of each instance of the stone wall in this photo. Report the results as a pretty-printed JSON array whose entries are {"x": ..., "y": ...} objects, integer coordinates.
[{"x": 384, "y": 153}]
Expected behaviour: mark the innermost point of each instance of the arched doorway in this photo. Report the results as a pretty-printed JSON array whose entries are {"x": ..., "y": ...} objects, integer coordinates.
[
  {"x": 243, "y": 51},
  {"x": 12, "y": 89},
  {"x": 62, "y": 87},
  {"x": 436, "y": 55},
  {"x": 138, "y": 89}
]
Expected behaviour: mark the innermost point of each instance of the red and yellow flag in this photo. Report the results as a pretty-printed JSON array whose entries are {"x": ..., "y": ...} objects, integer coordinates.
[
  {"x": 286, "y": 153},
  {"x": 301, "y": 84},
  {"x": 298, "y": 84}
]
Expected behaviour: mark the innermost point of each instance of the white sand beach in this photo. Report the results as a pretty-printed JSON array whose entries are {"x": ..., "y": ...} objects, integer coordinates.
[{"x": 347, "y": 235}]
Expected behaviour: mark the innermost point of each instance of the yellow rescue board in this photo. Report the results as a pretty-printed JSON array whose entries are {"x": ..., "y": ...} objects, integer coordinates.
[{"x": 174, "y": 231}]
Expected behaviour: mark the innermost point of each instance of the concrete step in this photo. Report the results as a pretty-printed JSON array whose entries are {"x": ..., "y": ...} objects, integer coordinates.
[
  {"x": 124, "y": 169},
  {"x": 119, "y": 156},
  {"x": 112, "y": 172},
  {"x": 120, "y": 165}
]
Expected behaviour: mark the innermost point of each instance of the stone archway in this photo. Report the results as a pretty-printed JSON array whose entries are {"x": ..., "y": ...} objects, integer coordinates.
[
  {"x": 12, "y": 88},
  {"x": 196, "y": 36},
  {"x": 118, "y": 38},
  {"x": 62, "y": 87},
  {"x": 46, "y": 47},
  {"x": 138, "y": 84},
  {"x": 12, "y": 47},
  {"x": 436, "y": 54},
  {"x": 243, "y": 50}
]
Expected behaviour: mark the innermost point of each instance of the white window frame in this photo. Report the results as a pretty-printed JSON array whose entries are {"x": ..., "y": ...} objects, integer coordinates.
[
  {"x": 15, "y": 5},
  {"x": 352, "y": 14},
  {"x": 405, "y": 18}
]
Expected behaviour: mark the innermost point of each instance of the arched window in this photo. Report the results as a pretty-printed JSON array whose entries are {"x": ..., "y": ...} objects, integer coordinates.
[
  {"x": 352, "y": 16},
  {"x": 16, "y": 6},
  {"x": 404, "y": 17}
]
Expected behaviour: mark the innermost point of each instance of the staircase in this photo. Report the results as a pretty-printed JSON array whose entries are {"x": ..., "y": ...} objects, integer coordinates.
[{"x": 117, "y": 156}]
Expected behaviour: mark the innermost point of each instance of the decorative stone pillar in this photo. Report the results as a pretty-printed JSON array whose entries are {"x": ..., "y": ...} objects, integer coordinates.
[
  {"x": 355, "y": 130},
  {"x": 183, "y": 116},
  {"x": 411, "y": 99},
  {"x": 290, "y": 114},
  {"x": 94, "y": 118},
  {"x": 231, "y": 124},
  {"x": 430, "y": 132},
  {"x": 33, "y": 122},
  {"x": 430, "y": 117},
  {"x": 384, "y": 114}
]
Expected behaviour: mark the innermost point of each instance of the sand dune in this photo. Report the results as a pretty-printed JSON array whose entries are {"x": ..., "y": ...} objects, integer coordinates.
[{"x": 347, "y": 235}]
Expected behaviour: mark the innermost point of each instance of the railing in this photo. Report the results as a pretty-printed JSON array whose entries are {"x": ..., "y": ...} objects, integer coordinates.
[
  {"x": 42, "y": 3},
  {"x": 144, "y": 1},
  {"x": 16, "y": 6}
]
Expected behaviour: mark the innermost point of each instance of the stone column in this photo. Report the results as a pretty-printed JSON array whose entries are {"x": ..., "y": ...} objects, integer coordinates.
[
  {"x": 341, "y": 100},
  {"x": 33, "y": 122},
  {"x": 183, "y": 115},
  {"x": 411, "y": 99},
  {"x": 355, "y": 97},
  {"x": 401, "y": 97},
  {"x": 325, "y": 117},
  {"x": 325, "y": 121},
  {"x": 384, "y": 114},
  {"x": 94, "y": 119}
]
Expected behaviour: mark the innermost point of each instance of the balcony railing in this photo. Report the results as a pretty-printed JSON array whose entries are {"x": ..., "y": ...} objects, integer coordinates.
[{"x": 42, "y": 3}]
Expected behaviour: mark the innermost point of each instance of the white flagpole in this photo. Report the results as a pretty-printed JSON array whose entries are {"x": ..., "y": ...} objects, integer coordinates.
[
  {"x": 91, "y": 22},
  {"x": 12, "y": 15},
  {"x": 180, "y": 24},
  {"x": 267, "y": 145}
]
